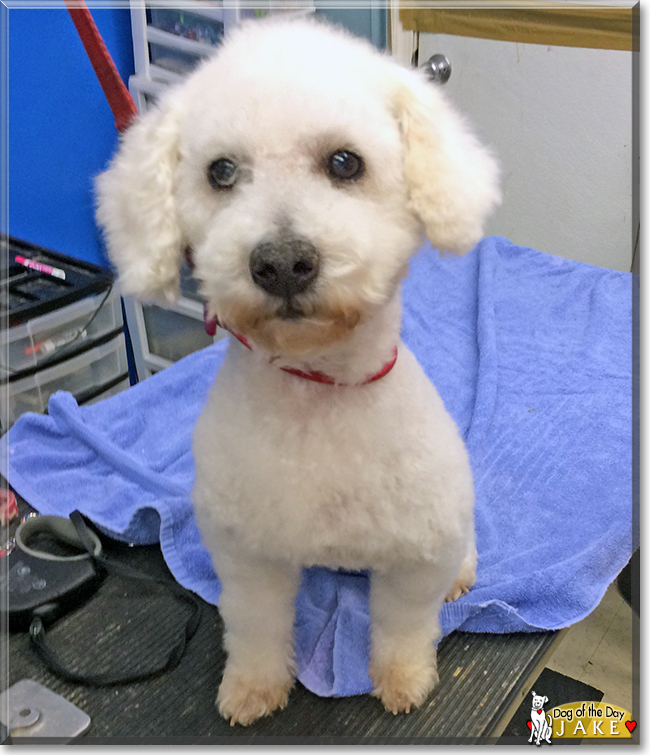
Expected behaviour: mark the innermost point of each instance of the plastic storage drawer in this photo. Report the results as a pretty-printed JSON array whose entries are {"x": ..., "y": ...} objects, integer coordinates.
[
  {"x": 187, "y": 25},
  {"x": 62, "y": 332},
  {"x": 173, "y": 335},
  {"x": 78, "y": 375},
  {"x": 118, "y": 387},
  {"x": 188, "y": 283},
  {"x": 171, "y": 59}
]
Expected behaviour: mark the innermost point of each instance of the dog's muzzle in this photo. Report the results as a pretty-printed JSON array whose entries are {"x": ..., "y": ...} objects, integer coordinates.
[{"x": 285, "y": 267}]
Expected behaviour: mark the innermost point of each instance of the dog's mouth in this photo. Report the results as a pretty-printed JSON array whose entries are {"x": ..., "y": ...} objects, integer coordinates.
[
  {"x": 289, "y": 310},
  {"x": 290, "y": 327}
]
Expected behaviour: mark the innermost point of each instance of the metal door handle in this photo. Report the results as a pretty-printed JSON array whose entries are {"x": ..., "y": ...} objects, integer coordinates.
[{"x": 438, "y": 69}]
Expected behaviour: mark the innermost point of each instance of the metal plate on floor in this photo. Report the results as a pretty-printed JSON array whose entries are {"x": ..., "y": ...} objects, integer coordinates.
[{"x": 30, "y": 710}]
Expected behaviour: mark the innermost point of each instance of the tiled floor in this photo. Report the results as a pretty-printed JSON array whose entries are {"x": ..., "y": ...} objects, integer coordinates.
[{"x": 598, "y": 650}]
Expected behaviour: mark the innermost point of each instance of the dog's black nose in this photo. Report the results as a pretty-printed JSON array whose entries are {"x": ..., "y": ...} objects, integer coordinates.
[{"x": 285, "y": 267}]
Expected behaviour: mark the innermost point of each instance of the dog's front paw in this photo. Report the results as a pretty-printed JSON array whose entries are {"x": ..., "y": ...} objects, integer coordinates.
[
  {"x": 402, "y": 686},
  {"x": 458, "y": 589},
  {"x": 465, "y": 580},
  {"x": 243, "y": 698}
]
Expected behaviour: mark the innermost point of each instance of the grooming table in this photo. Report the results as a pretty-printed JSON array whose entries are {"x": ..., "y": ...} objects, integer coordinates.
[
  {"x": 483, "y": 677},
  {"x": 531, "y": 354}
]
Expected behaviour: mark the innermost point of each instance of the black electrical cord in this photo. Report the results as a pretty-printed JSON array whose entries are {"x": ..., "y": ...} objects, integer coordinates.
[{"x": 49, "y": 658}]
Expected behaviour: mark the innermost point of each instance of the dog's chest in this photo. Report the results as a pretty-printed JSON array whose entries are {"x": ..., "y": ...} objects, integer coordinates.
[{"x": 330, "y": 478}]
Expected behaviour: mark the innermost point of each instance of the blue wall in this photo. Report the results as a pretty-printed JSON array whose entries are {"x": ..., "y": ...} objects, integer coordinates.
[{"x": 61, "y": 129}]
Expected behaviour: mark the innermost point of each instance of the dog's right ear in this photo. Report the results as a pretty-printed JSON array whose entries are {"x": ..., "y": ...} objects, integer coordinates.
[{"x": 136, "y": 207}]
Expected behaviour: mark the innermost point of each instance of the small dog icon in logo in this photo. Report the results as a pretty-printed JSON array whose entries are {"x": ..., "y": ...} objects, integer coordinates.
[{"x": 540, "y": 728}]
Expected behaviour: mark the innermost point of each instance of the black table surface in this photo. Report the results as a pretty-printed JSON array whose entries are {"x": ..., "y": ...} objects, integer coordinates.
[{"x": 127, "y": 625}]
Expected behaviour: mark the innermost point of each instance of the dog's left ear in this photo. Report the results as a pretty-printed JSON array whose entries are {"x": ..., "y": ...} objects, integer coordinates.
[{"x": 453, "y": 180}]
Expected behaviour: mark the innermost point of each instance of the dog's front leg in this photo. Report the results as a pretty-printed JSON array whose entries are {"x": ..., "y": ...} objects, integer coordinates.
[
  {"x": 404, "y": 605},
  {"x": 257, "y": 607}
]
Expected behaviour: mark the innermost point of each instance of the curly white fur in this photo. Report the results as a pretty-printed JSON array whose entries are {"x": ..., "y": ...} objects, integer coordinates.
[{"x": 291, "y": 473}]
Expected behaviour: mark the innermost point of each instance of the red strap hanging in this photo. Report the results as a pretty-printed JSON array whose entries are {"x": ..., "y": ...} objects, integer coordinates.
[{"x": 118, "y": 96}]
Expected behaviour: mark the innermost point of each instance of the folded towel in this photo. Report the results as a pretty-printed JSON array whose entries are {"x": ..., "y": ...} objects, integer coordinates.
[{"x": 532, "y": 356}]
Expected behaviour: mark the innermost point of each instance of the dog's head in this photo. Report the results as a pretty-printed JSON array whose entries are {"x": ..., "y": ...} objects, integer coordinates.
[
  {"x": 300, "y": 166},
  {"x": 538, "y": 701}
]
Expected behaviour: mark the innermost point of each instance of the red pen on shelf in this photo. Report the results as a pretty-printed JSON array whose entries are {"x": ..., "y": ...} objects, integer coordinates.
[{"x": 40, "y": 267}]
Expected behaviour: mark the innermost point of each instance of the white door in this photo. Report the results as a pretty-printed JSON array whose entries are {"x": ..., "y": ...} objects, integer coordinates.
[{"x": 560, "y": 122}]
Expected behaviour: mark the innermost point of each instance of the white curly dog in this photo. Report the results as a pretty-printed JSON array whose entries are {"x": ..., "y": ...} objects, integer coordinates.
[{"x": 301, "y": 167}]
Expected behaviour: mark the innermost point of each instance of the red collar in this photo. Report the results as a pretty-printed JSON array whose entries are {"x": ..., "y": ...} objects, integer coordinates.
[
  {"x": 316, "y": 377},
  {"x": 319, "y": 377}
]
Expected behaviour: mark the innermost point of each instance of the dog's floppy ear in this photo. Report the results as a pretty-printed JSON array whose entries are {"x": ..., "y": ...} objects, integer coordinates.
[
  {"x": 453, "y": 180},
  {"x": 136, "y": 207}
]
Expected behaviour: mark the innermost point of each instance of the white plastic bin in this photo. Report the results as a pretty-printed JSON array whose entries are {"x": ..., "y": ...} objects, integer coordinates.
[
  {"x": 78, "y": 375},
  {"x": 65, "y": 330}
]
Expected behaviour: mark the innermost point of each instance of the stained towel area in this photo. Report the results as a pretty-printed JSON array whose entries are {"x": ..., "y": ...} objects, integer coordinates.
[{"x": 532, "y": 355}]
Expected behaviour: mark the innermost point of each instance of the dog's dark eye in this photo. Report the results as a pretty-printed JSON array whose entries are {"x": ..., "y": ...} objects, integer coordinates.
[
  {"x": 344, "y": 165},
  {"x": 222, "y": 173}
]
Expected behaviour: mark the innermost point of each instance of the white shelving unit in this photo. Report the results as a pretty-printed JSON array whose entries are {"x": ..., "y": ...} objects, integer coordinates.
[
  {"x": 164, "y": 33},
  {"x": 169, "y": 40}
]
